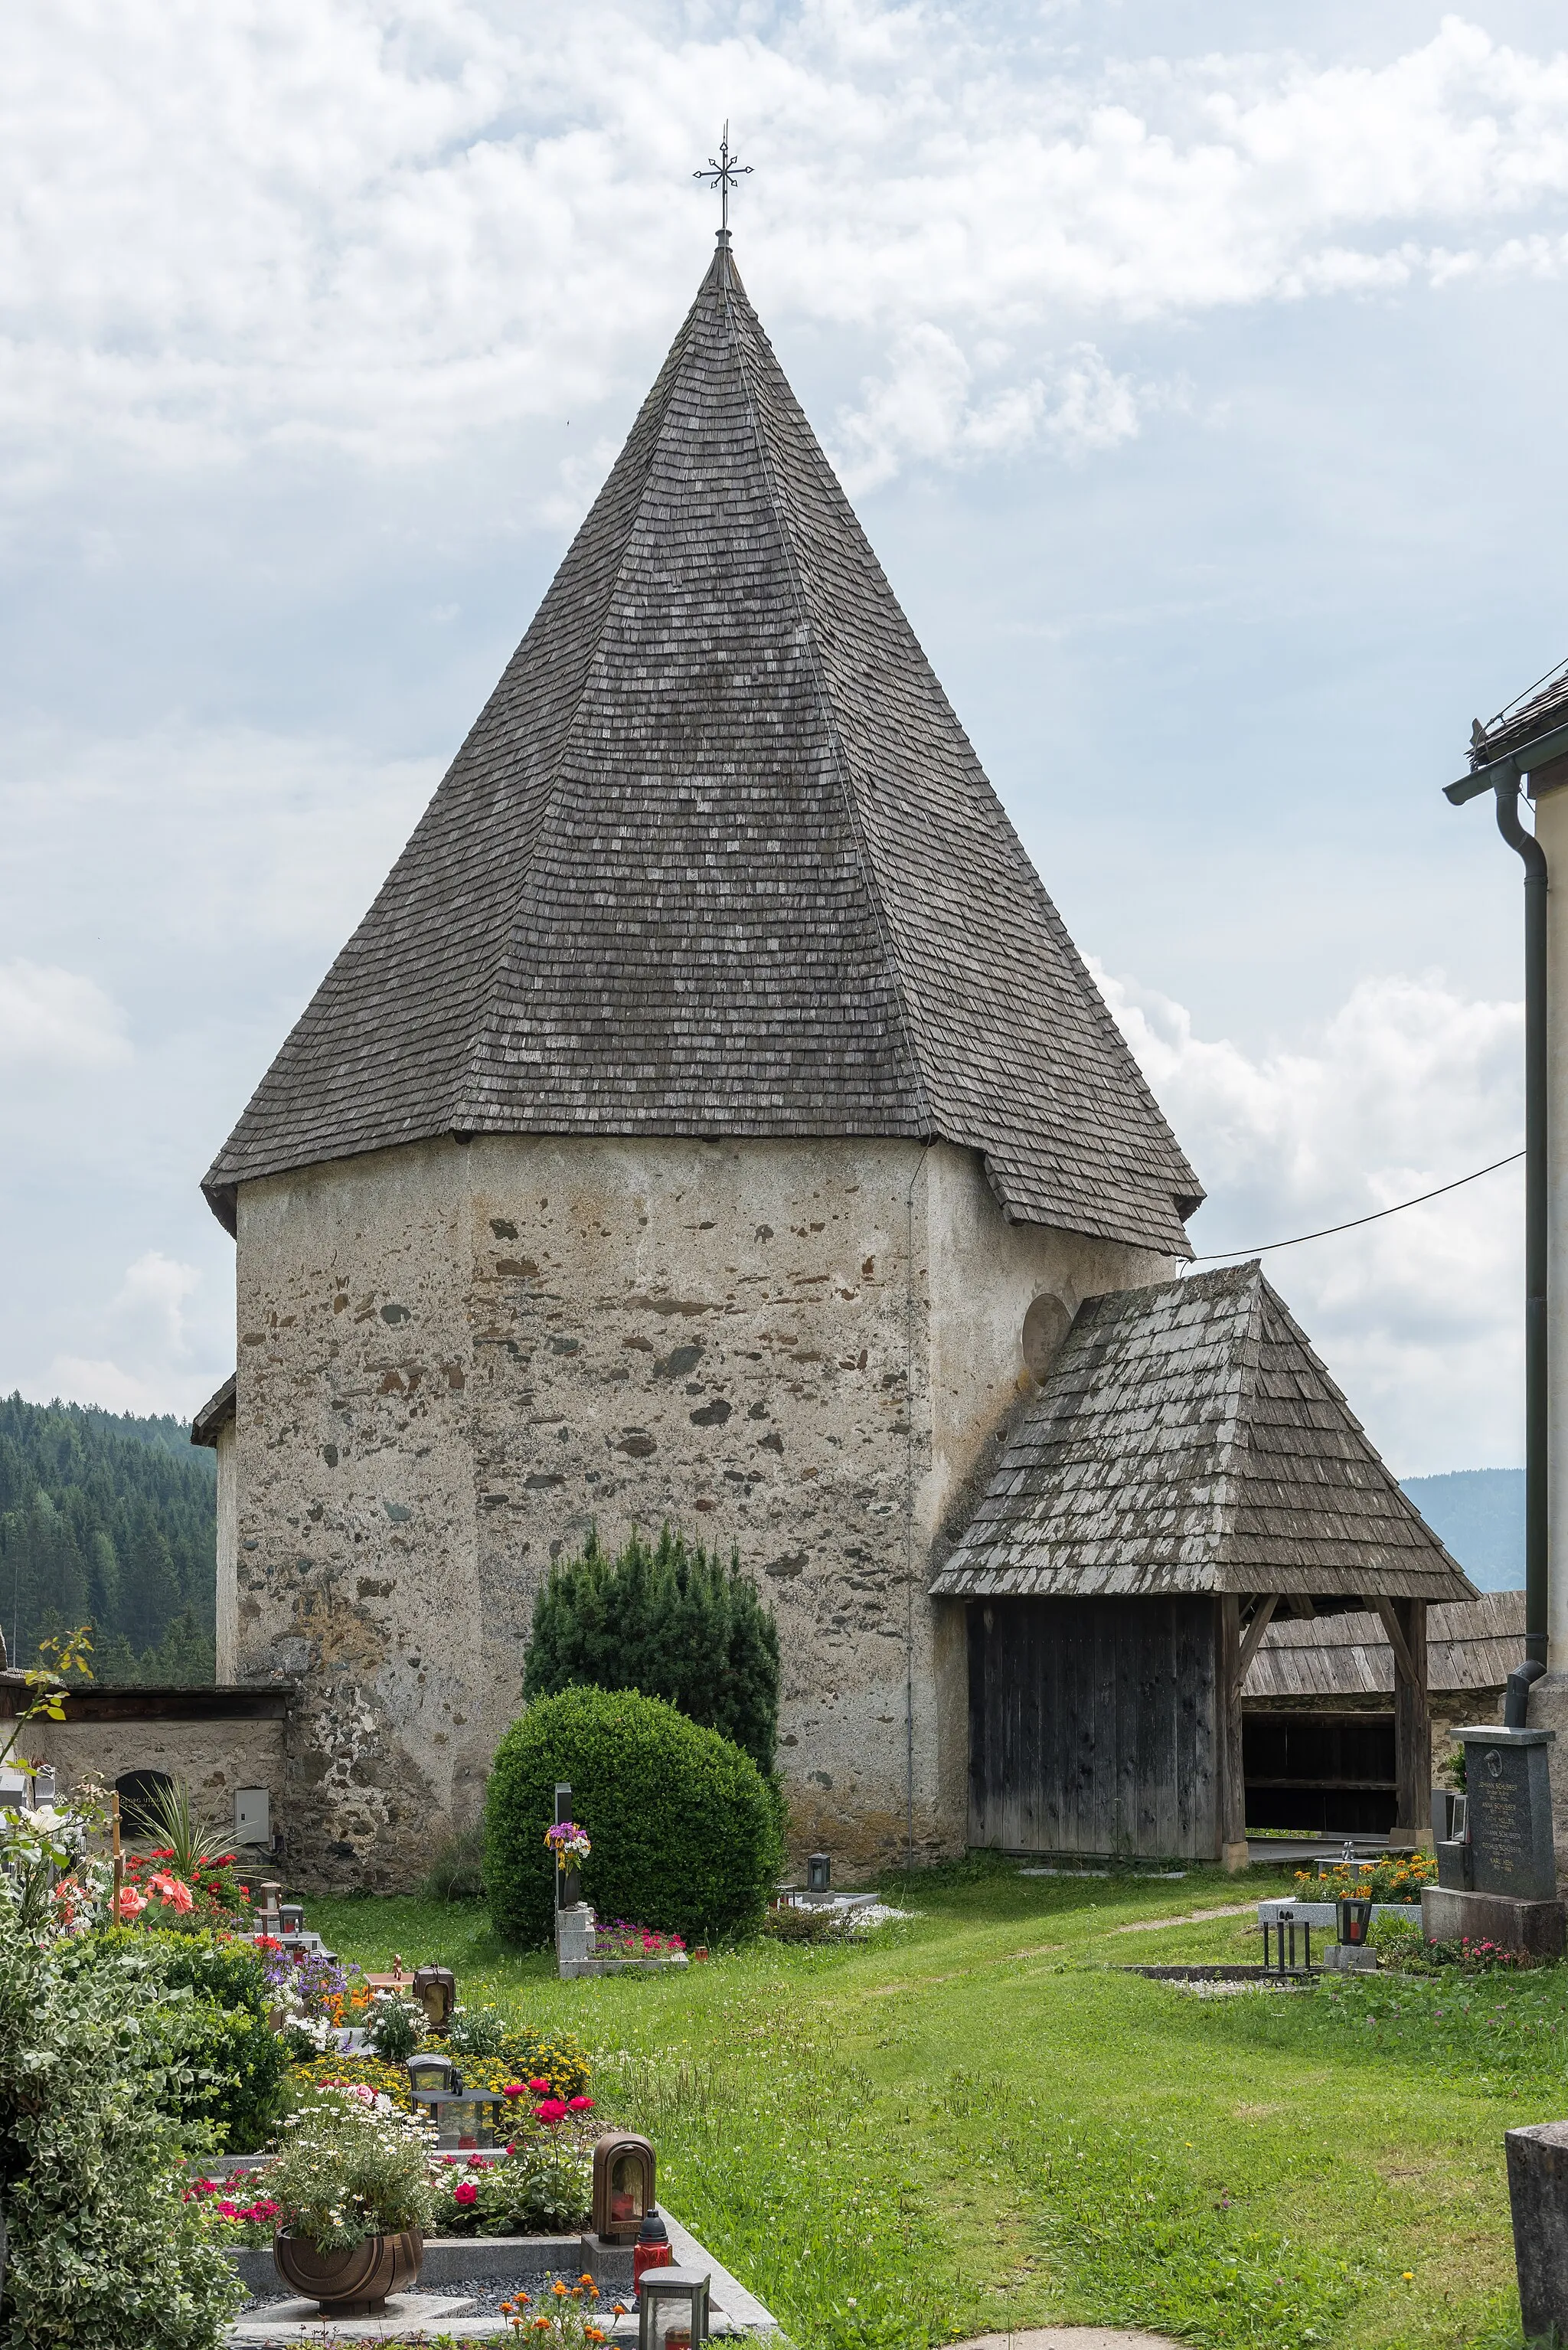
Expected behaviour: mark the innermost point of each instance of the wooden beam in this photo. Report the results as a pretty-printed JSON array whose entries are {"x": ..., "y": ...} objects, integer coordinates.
[
  {"x": 1232, "y": 1790},
  {"x": 1405, "y": 1621},
  {"x": 1404, "y": 1663},
  {"x": 1255, "y": 1631}
]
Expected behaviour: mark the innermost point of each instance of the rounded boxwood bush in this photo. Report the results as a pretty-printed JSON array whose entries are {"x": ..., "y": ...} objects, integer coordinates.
[{"x": 683, "y": 1825}]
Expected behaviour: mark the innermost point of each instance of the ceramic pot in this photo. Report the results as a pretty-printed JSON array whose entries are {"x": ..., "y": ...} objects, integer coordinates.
[{"x": 354, "y": 2283}]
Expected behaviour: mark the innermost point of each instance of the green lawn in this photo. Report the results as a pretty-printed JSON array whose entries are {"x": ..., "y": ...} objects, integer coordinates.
[{"x": 976, "y": 2123}]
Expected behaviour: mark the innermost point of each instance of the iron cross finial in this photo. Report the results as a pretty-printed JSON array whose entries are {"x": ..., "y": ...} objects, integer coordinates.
[{"x": 724, "y": 170}]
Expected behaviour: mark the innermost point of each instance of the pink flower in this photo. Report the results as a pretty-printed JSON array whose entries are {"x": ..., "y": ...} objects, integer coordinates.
[
  {"x": 172, "y": 1889},
  {"x": 131, "y": 1904},
  {"x": 465, "y": 2192},
  {"x": 581, "y": 2105},
  {"x": 540, "y": 2088},
  {"x": 552, "y": 2111},
  {"x": 516, "y": 2089},
  {"x": 230, "y": 2210}
]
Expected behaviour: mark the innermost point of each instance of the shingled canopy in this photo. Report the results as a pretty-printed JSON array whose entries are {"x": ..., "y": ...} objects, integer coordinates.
[
  {"x": 1189, "y": 1448},
  {"x": 718, "y": 859}
]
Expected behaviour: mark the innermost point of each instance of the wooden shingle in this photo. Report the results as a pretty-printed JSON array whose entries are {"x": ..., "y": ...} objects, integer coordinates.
[
  {"x": 1187, "y": 1438},
  {"x": 719, "y": 860}
]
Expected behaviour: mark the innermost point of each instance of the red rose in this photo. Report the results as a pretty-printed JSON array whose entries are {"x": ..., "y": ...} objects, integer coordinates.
[
  {"x": 465, "y": 2192},
  {"x": 552, "y": 2111},
  {"x": 540, "y": 2088},
  {"x": 582, "y": 2105},
  {"x": 515, "y": 2089}
]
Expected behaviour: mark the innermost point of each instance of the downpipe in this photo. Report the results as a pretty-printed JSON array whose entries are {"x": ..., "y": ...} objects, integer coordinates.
[{"x": 1534, "y": 856}]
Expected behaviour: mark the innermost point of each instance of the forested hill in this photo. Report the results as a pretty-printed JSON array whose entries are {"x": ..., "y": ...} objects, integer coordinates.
[{"x": 108, "y": 1519}]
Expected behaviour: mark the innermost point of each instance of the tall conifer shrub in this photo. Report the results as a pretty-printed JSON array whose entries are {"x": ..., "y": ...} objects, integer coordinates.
[{"x": 671, "y": 1620}]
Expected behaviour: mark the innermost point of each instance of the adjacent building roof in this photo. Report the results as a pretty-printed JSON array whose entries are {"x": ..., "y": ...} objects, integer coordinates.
[
  {"x": 216, "y": 1412},
  {"x": 1473, "y": 1645},
  {"x": 1187, "y": 1438},
  {"x": 718, "y": 859}
]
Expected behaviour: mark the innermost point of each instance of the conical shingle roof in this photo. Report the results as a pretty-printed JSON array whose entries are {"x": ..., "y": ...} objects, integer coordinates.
[
  {"x": 718, "y": 859},
  {"x": 1187, "y": 1438}
]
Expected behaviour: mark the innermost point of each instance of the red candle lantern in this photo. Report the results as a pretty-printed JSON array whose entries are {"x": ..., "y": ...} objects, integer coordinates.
[{"x": 652, "y": 2249}]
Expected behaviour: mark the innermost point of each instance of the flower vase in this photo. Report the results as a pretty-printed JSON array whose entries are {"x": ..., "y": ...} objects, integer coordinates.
[{"x": 571, "y": 1883}]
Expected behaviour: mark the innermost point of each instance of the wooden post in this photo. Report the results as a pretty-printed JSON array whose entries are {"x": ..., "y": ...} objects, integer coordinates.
[
  {"x": 118, "y": 1857},
  {"x": 1227, "y": 1702},
  {"x": 1405, "y": 1621}
]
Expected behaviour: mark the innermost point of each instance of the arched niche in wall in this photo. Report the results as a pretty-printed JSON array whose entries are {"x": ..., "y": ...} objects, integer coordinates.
[{"x": 1045, "y": 1324}]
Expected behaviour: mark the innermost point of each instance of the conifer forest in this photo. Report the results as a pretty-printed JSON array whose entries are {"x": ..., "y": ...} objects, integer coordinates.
[{"x": 107, "y": 1520}]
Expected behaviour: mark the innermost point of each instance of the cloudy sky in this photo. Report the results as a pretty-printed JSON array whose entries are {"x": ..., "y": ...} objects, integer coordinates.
[{"x": 1197, "y": 371}]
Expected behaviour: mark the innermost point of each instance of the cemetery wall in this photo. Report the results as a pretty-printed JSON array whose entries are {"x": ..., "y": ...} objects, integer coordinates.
[
  {"x": 217, "y": 1756},
  {"x": 456, "y": 1358}
]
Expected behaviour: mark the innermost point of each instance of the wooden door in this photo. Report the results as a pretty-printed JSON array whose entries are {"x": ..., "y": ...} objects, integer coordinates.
[{"x": 1093, "y": 1727}]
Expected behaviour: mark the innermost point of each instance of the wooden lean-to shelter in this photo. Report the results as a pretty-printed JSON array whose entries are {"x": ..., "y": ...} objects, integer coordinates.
[{"x": 1186, "y": 1471}]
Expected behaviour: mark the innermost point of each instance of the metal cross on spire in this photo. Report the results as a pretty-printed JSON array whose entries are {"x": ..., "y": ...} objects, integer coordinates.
[{"x": 724, "y": 170}]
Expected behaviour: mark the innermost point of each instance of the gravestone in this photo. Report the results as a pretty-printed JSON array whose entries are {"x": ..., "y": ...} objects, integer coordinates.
[
  {"x": 1538, "y": 2201},
  {"x": 1511, "y": 1862}
]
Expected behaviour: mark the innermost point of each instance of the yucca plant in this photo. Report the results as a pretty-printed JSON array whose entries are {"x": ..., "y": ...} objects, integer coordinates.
[{"x": 165, "y": 1812}]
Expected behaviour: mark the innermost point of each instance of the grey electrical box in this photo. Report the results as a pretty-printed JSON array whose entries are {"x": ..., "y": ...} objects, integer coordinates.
[{"x": 253, "y": 1816}]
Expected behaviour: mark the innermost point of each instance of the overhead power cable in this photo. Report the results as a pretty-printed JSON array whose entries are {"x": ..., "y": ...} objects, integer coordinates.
[{"x": 1261, "y": 1248}]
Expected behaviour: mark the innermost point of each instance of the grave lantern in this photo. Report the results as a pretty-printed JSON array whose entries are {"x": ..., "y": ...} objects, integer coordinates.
[
  {"x": 652, "y": 2249},
  {"x": 465, "y": 2118},
  {"x": 1354, "y": 1910},
  {"x": 623, "y": 2187},
  {"x": 672, "y": 2310},
  {"x": 818, "y": 1872},
  {"x": 291, "y": 1917},
  {"x": 428, "y": 2074},
  {"x": 435, "y": 1988}
]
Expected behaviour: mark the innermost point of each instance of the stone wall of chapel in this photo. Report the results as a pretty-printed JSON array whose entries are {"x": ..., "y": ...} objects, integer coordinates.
[
  {"x": 356, "y": 1562},
  {"x": 454, "y": 1359},
  {"x": 715, "y": 1334}
]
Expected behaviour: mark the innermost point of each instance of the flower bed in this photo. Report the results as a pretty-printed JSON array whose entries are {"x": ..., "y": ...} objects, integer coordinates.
[
  {"x": 557, "y": 2058},
  {"x": 627, "y": 1944},
  {"x": 233, "y": 2220},
  {"x": 1398, "y": 1879}
]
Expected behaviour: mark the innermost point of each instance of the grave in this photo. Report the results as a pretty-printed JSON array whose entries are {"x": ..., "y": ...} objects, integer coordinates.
[{"x": 1509, "y": 1857}]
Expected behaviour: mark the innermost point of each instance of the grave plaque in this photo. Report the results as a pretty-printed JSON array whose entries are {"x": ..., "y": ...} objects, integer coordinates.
[{"x": 1508, "y": 1794}]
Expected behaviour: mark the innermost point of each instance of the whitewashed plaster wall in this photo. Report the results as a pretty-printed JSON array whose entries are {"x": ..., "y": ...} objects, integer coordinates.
[{"x": 455, "y": 1358}]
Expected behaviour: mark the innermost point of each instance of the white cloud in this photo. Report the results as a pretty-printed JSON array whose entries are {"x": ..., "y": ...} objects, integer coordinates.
[
  {"x": 151, "y": 1365},
  {"x": 1405, "y": 1087},
  {"x": 56, "y": 1019},
  {"x": 925, "y": 409},
  {"x": 379, "y": 226}
]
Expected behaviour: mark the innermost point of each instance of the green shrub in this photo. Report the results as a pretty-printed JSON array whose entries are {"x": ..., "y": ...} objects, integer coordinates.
[
  {"x": 544, "y": 2188},
  {"x": 104, "y": 2255},
  {"x": 673, "y": 1622},
  {"x": 220, "y": 2060},
  {"x": 683, "y": 1825},
  {"x": 457, "y": 1872},
  {"x": 1398, "y": 1942},
  {"x": 395, "y": 2029},
  {"x": 477, "y": 2031}
]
